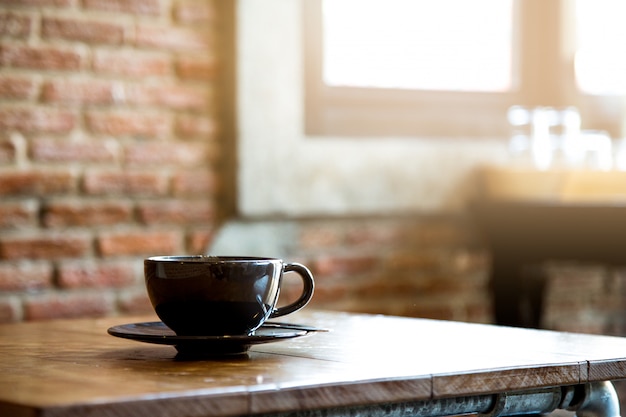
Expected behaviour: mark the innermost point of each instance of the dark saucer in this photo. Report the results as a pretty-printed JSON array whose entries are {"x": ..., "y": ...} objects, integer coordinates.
[{"x": 158, "y": 333}]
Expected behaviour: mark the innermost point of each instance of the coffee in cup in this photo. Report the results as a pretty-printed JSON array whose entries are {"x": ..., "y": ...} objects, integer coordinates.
[{"x": 220, "y": 295}]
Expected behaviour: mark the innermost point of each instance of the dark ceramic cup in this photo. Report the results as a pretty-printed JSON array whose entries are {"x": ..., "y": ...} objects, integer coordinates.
[{"x": 220, "y": 295}]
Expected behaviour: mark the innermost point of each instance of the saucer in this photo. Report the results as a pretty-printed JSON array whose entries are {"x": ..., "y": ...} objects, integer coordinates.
[{"x": 158, "y": 333}]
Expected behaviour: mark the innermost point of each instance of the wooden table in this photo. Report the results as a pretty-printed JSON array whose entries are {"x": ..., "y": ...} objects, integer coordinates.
[{"x": 364, "y": 365}]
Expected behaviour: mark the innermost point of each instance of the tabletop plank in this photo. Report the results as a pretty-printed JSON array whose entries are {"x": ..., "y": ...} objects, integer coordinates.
[{"x": 68, "y": 366}]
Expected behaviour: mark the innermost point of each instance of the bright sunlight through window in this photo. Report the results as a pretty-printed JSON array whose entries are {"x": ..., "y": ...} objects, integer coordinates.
[
  {"x": 455, "y": 45},
  {"x": 600, "y": 56}
]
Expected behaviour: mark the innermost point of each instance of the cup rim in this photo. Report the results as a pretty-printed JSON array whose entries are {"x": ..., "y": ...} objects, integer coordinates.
[{"x": 209, "y": 259}]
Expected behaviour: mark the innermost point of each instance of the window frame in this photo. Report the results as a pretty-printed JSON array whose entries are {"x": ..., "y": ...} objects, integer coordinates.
[
  {"x": 283, "y": 172},
  {"x": 543, "y": 76}
]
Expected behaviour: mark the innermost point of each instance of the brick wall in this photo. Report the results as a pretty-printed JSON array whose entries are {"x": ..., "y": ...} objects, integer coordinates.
[
  {"x": 422, "y": 266},
  {"x": 589, "y": 298},
  {"x": 109, "y": 149}
]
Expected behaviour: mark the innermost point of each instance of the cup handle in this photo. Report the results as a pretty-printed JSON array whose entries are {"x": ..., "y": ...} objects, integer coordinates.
[{"x": 307, "y": 291}]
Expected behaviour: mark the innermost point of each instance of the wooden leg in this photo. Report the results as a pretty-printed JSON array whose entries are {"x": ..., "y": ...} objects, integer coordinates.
[
  {"x": 518, "y": 292},
  {"x": 506, "y": 292},
  {"x": 534, "y": 279}
]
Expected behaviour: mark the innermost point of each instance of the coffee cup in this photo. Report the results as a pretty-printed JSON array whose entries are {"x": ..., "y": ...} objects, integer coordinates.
[{"x": 220, "y": 295}]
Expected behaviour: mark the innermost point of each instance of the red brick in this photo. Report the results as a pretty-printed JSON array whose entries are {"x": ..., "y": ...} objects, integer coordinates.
[
  {"x": 36, "y": 3},
  {"x": 70, "y": 305},
  {"x": 176, "y": 212},
  {"x": 449, "y": 285},
  {"x": 137, "y": 124},
  {"x": 344, "y": 265},
  {"x": 96, "y": 274},
  {"x": 468, "y": 262},
  {"x": 195, "y": 183},
  {"x": 415, "y": 260},
  {"x": 479, "y": 312},
  {"x": 88, "y": 31},
  {"x": 140, "y": 242},
  {"x": 196, "y": 68},
  {"x": 125, "y": 183},
  {"x": 44, "y": 246},
  {"x": 195, "y": 12},
  {"x": 135, "y": 302},
  {"x": 38, "y": 182},
  {"x": 19, "y": 214},
  {"x": 168, "y": 96},
  {"x": 439, "y": 233},
  {"x": 325, "y": 294},
  {"x": 15, "y": 25},
  {"x": 17, "y": 87},
  {"x": 10, "y": 310},
  {"x": 37, "y": 120},
  {"x": 566, "y": 281},
  {"x": 382, "y": 287},
  {"x": 437, "y": 311},
  {"x": 290, "y": 290},
  {"x": 616, "y": 281},
  {"x": 141, "y": 7},
  {"x": 78, "y": 92},
  {"x": 40, "y": 58},
  {"x": 319, "y": 237},
  {"x": 8, "y": 151},
  {"x": 80, "y": 212},
  {"x": 132, "y": 64},
  {"x": 25, "y": 276},
  {"x": 177, "y": 153},
  {"x": 198, "y": 240},
  {"x": 189, "y": 126},
  {"x": 50, "y": 150},
  {"x": 376, "y": 235},
  {"x": 174, "y": 38}
]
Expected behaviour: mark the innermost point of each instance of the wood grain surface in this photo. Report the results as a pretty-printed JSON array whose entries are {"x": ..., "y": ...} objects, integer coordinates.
[{"x": 73, "y": 367}]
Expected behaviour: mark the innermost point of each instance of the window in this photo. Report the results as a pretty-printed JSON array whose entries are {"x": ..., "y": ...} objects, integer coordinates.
[
  {"x": 285, "y": 169},
  {"x": 398, "y": 44},
  {"x": 284, "y": 172},
  {"x": 600, "y": 62},
  {"x": 375, "y": 67}
]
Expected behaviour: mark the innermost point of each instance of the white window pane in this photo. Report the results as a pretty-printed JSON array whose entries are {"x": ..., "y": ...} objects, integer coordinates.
[
  {"x": 418, "y": 44},
  {"x": 601, "y": 52}
]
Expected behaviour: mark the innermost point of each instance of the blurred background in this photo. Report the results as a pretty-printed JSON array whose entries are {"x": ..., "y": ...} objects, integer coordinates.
[{"x": 346, "y": 135}]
